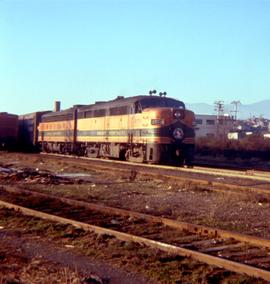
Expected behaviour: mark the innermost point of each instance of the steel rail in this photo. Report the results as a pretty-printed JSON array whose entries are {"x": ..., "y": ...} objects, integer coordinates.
[
  {"x": 208, "y": 259},
  {"x": 246, "y": 174},
  {"x": 141, "y": 169},
  {"x": 189, "y": 227}
]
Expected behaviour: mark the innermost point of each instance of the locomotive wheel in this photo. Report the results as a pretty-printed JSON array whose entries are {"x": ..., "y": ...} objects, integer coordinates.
[
  {"x": 138, "y": 159},
  {"x": 92, "y": 152}
]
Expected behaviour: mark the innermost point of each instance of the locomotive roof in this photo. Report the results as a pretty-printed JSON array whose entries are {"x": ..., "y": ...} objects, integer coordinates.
[
  {"x": 119, "y": 101},
  {"x": 61, "y": 112}
]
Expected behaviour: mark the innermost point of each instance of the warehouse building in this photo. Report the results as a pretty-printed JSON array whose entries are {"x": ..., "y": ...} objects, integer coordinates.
[{"x": 212, "y": 125}]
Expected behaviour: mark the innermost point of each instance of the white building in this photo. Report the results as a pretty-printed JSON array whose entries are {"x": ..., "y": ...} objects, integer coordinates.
[{"x": 212, "y": 126}]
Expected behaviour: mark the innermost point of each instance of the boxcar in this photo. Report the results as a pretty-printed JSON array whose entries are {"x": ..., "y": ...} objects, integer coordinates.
[{"x": 8, "y": 130}]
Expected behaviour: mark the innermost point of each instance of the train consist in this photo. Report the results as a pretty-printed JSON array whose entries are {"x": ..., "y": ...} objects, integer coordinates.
[
  {"x": 153, "y": 129},
  {"x": 8, "y": 130}
]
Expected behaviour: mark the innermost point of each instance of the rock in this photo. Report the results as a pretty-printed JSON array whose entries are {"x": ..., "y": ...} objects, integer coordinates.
[{"x": 92, "y": 279}]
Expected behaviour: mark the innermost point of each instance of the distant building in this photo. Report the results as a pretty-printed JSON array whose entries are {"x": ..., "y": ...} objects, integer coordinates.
[
  {"x": 213, "y": 126},
  {"x": 254, "y": 125},
  {"x": 237, "y": 135}
]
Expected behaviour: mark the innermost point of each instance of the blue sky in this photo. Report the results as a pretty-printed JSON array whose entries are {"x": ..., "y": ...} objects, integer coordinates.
[{"x": 82, "y": 51}]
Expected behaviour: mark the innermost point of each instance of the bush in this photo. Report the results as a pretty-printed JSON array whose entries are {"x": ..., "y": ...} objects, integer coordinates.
[{"x": 252, "y": 146}]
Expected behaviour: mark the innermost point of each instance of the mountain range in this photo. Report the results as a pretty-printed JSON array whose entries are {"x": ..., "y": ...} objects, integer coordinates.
[{"x": 258, "y": 109}]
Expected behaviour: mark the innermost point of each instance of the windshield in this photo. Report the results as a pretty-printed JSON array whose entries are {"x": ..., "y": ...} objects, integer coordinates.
[{"x": 154, "y": 102}]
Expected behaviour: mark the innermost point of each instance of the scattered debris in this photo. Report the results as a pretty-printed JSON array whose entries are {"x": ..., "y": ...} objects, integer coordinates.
[
  {"x": 114, "y": 222},
  {"x": 69, "y": 246},
  {"x": 73, "y": 175},
  {"x": 220, "y": 178},
  {"x": 133, "y": 175},
  {"x": 35, "y": 176},
  {"x": 92, "y": 279},
  {"x": 5, "y": 170}
]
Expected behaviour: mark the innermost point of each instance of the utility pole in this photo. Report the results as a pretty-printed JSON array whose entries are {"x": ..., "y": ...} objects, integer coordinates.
[
  {"x": 219, "y": 108},
  {"x": 236, "y": 109}
]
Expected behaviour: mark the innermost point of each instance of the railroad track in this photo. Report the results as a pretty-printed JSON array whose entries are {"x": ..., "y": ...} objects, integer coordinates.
[
  {"x": 231, "y": 251},
  {"x": 243, "y": 174},
  {"x": 227, "y": 164},
  {"x": 217, "y": 179}
]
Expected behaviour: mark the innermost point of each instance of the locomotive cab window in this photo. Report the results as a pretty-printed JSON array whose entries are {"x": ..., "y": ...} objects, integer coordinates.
[{"x": 157, "y": 102}]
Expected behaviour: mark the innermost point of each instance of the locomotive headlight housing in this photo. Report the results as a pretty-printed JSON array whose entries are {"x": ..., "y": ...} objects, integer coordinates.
[
  {"x": 177, "y": 114},
  {"x": 157, "y": 121},
  {"x": 178, "y": 133}
]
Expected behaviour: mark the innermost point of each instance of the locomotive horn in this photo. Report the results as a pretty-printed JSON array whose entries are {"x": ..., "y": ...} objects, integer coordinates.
[{"x": 152, "y": 92}]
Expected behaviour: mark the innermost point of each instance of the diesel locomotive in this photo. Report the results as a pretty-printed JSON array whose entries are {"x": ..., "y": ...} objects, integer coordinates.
[{"x": 152, "y": 129}]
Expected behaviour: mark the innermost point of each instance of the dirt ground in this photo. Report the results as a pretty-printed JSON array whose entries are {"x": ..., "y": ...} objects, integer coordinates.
[
  {"x": 244, "y": 213},
  {"x": 28, "y": 254}
]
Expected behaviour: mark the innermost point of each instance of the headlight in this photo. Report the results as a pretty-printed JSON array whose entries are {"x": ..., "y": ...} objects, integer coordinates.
[
  {"x": 178, "y": 133},
  {"x": 157, "y": 121},
  {"x": 177, "y": 114}
]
